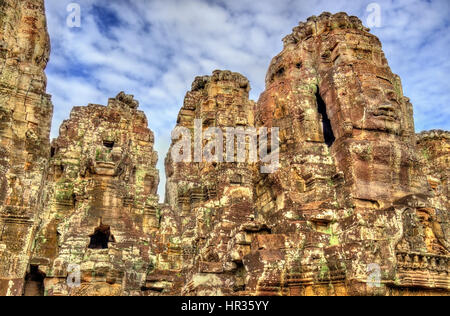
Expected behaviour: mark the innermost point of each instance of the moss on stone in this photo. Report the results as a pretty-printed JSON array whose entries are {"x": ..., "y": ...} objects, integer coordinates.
[
  {"x": 334, "y": 240},
  {"x": 324, "y": 270}
]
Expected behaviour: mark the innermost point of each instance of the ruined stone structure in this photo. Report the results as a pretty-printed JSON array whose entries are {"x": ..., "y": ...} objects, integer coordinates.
[
  {"x": 350, "y": 193},
  {"x": 100, "y": 201},
  {"x": 358, "y": 203},
  {"x": 210, "y": 200},
  {"x": 25, "y": 118}
]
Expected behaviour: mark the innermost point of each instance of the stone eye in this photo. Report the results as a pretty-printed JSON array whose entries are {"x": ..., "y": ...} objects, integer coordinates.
[
  {"x": 392, "y": 97},
  {"x": 373, "y": 93}
]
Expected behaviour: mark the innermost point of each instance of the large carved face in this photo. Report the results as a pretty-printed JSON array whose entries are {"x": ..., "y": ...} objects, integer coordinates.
[
  {"x": 379, "y": 107},
  {"x": 367, "y": 98},
  {"x": 359, "y": 87}
]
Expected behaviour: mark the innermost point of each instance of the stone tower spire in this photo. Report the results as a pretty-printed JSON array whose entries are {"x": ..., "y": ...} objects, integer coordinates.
[{"x": 25, "y": 118}]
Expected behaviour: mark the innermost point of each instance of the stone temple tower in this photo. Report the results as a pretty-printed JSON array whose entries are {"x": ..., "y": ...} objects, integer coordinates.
[
  {"x": 358, "y": 204},
  {"x": 209, "y": 199},
  {"x": 351, "y": 186},
  {"x": 101, "y": 206},
  {"x": 25, "y": 118}
]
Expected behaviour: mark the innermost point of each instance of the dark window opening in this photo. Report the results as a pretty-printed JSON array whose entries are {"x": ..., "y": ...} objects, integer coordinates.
[
  {"x": 59, "y": 171},
  {"x": 326, "y": 55},
  {"x": 52, "y": 152},
  {"x": 101, "y": 237},
  {"x": 133, "y": 175},
  {"x": 108, "y": 144},
  {"x": 299, "y": 65},
  {"x": 241, "y": 274},
  {"x": 236, "y": 179},
  {"x": 74, "y": 199},
  {"x": 280, "y": 72},
  {"x": 34, "y": 282},
  {"x": 3, "y": 230},
  {"x": 326, "y": 123}
]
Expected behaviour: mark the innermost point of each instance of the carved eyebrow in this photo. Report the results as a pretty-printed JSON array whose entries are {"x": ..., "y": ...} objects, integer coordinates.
[
  {"x": 391, "y": 93},
  {"x": 384, "y": 79}
]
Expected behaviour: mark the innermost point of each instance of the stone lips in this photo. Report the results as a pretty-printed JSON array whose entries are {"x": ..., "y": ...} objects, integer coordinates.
[{"x": 358, "y": 205}]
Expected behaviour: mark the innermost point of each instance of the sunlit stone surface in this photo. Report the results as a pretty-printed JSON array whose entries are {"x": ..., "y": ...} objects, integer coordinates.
[{"x": 357, "y": 206}]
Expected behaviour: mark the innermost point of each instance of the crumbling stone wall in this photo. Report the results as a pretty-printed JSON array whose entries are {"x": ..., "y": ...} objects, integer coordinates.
[
  {"x": 25, "y": 118},
  {"x": 101, "y": 206}
]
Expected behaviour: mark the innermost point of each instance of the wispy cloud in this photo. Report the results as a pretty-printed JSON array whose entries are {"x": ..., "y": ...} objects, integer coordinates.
[{"x": 154, "y": 49}]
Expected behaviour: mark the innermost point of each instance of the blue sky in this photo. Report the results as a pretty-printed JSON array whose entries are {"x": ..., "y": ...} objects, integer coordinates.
[{"x": 154, "y": 49}]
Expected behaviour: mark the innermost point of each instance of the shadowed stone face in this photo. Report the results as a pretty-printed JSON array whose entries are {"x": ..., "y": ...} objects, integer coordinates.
[
  {"x": 332, "y": 85},
  {"x": 373, "y": 124},
  {"x": 289, "y": 101},
  {"x": 209, "y": 200}
]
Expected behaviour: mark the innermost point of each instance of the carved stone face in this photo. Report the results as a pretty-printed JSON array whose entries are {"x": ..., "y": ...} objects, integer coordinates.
[
  {"x": 365, "y": 98},
  {"x": 379, "y": 107},
  {"x": 359, "y": 85}
]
